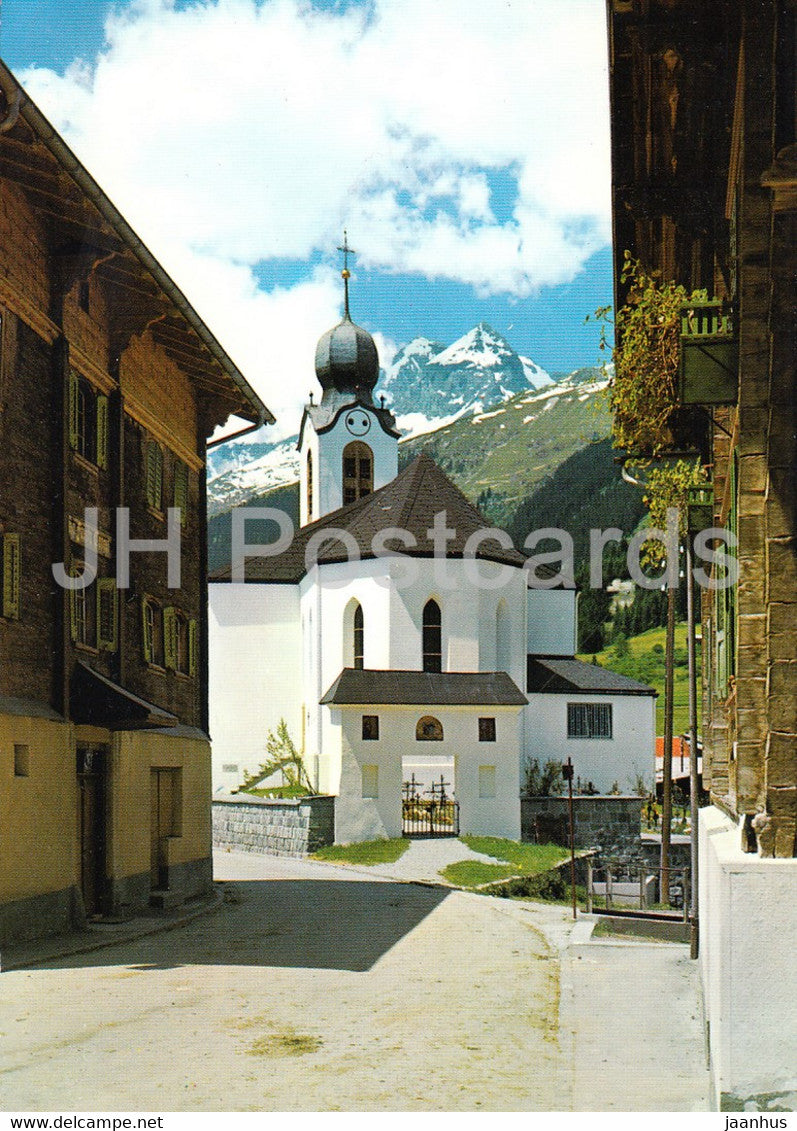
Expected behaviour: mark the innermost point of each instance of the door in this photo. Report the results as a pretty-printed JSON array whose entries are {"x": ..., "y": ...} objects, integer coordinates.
[
  {"x": 91, "y": 821},
  {"x": 163, "y": 798}
]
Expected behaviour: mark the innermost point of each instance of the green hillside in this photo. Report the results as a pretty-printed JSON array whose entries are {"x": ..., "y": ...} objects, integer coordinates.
[
  {"x": 642, "y": 657},
  {"x": 498, "y": 457}
]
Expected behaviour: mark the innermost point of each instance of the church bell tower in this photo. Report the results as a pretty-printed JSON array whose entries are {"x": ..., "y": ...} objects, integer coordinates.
[{"x": 348, "y": 446}]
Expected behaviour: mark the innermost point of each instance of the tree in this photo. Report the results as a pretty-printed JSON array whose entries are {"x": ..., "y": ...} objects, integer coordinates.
[{"x": 282, "y": 757}]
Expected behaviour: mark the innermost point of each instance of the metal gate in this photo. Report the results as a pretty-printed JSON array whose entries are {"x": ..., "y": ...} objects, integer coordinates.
[{"x": 428, "y": 813}]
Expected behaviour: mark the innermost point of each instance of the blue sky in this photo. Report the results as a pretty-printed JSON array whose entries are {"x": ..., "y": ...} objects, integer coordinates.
[{"x": 463, "y": 144}]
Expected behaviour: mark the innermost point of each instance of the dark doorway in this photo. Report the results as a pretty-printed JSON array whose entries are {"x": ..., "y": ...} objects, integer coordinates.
[{"x": 91, "y": 764}]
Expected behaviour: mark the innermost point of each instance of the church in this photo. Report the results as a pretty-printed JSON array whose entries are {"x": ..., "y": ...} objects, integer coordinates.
[{"x": 401, "y": 639}]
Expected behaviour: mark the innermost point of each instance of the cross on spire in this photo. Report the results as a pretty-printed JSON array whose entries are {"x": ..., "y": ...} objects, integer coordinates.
[{"x": 346, "y": 273}]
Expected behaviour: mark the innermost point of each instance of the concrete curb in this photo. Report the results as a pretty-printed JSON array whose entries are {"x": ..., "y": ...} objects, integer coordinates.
[{"x": 28, "y": 956}]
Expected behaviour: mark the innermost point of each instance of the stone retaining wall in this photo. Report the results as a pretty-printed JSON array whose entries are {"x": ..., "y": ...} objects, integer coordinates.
[
  {"x": 292, "y": 827},
  {"x": 608, "y": 822}
]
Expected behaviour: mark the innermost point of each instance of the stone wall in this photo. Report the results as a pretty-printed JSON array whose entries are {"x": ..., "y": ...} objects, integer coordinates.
[
  {"x": 601, "y": 821},
  {"x": 293, "y": 827}
]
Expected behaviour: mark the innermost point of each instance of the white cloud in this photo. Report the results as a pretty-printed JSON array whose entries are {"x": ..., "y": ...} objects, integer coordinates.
[{"x": 232, "y": 131}]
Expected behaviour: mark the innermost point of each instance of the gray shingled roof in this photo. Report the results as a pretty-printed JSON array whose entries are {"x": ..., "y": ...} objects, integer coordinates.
[
  {"x": 408, "y": 502},
  {"x": 431, "y": 689},
  {"x": 568, "y": 676}
]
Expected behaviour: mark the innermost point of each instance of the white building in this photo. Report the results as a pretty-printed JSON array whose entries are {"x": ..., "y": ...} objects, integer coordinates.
[{"x": 398, "y": 634}]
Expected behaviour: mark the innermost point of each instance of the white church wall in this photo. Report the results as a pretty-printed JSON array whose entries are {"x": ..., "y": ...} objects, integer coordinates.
[
  {"x": 254, "y": 673},
  {"x": 621, "y": 759},
  {"x": 551, "y": 622},
  {"x": 364, "y": 818}
]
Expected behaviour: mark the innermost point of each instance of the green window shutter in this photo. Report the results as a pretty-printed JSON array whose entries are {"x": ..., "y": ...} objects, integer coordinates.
[
  {"x": 107, "y": 615},
  {"x": 102, "y": 432},
  {"x": 193, "y": 647},
  {"x": 170, "y": 630},
  {"x": 72, "y": 598},
  {"x": 154, "y": 475},
  {"x": 74, "y": 394},
  {"x": 11, "y": 567},
  {"x": 181, "y": 489},
  {"x": 146, "y": 631}
]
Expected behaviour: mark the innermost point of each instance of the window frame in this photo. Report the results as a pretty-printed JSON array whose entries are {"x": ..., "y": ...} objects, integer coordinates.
[
  {"x": 370, "y": 722},
  {"x": 592, "y": 729},
  {"x": 487, "y": 729},
  {"x": 432, "y": 637},
  {"x": 357, "y": 471}
]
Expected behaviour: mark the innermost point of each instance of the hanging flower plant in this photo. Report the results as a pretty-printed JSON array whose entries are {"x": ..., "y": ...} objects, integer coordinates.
[{"x": 646, "y": 357}]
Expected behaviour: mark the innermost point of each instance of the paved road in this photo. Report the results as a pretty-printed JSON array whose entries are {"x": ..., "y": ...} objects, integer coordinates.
[{"x": 318, "y": 988}]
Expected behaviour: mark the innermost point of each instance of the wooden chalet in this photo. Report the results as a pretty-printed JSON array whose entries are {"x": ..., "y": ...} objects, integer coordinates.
[{"x": 110, "y": 385}]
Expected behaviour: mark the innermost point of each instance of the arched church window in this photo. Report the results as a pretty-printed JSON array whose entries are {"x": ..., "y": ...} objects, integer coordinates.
[
  {"x": 309, "y": 485},
  {"x": 432, "y": 637},
  {"x": 359, "y": 638},
  {"x": 358, "y": 471},
  {"x": 429, "y": 729}
]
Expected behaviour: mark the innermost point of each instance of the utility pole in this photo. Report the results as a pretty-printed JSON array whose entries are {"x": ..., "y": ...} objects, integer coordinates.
[
  {"x": 666, "y": 786},
  {"x": 694, "y": 929},
  {"x": 567, "y": 774}
]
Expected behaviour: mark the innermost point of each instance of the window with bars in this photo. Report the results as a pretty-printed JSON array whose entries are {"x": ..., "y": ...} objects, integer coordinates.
[
  {"x": 432, "y": 637},
  {"x": 358, "y": 471},
  {"x": 589, "y": 720}
]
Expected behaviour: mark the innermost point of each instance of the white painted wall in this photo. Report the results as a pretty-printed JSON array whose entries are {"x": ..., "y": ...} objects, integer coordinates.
[
  {"x": 327, "y": 451},
  {"x": 254, "y": 673},
  {"x": 748, "y": 924},
  {"x": 629, "y": 752},
  {"x": 358, "y": 818},
  {"x": 551, "y": 622}
]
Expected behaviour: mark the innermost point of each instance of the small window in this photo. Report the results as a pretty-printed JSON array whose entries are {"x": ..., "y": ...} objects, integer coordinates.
[
  {"x": 589, "y": 720},
  {"x": 370, "y": 781},
  {"x": 429, "y": 729},
  {"x": 83, "y": 610},
  {"x": 432, "y": 637},
  {"x": 309, "y": 486},
  {"x": 21, "y": 760},
  {"x": 229, "y": 768},
  {"x": 486, "y": 730},
  {"x": 486, "y": 781},
  {"x": 370, "y": 728},
  {"x": 152, "y": 631},
  {"x": 359, "y": 638}
]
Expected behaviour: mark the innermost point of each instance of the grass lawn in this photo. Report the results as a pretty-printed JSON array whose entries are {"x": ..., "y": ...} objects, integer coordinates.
[
  {"x": 472, "y": 873},
  {"x": 516, "y": 860},
  {"x": 367, "y": 852},
  {"x": 528, "y": 859}
]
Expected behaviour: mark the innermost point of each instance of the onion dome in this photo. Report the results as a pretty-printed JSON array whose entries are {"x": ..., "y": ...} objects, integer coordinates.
[{"x": 346, "y": 358}]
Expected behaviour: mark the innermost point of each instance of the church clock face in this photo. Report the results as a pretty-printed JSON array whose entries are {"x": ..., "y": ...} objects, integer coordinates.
[{"x": 358, "y": 423}]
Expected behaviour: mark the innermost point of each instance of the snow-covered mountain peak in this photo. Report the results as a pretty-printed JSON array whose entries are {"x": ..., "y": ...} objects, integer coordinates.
[{"x": 481, "y": 346}]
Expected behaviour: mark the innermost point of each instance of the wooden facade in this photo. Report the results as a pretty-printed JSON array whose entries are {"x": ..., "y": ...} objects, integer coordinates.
[
  {"x": 110, "y": 385},
  {"x": 705, "y": 193}
]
